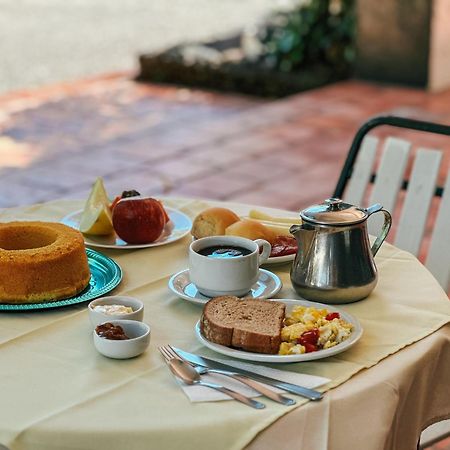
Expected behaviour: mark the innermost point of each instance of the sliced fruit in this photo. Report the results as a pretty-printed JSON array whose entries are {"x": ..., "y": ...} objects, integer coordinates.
[{"x": 96, "y": 218}]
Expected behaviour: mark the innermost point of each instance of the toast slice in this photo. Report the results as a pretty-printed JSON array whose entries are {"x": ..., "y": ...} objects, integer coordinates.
[{"x": 249, "y": 324}]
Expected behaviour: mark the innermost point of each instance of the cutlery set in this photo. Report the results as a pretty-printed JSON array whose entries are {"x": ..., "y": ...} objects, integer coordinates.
[{"x": 189, "y": 367}]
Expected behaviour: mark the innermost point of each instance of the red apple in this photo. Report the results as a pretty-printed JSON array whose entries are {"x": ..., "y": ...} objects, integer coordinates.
[
  {"x": 138, "y": 220},
  {"x": 125, "y": 194},
  {"x": 166, "y": 216}
]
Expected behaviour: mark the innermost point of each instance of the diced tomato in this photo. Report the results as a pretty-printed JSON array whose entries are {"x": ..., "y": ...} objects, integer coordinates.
[
  {"x": 309, "y": 347},
  {"x": 310, "y": 336},
  {"x": 333, "y": 315}
]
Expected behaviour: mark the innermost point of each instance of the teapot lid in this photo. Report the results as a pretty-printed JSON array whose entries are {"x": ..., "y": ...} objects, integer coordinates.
[{"x": 334, "y": 211}]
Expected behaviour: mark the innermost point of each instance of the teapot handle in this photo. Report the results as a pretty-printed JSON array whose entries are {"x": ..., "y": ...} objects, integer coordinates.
[{"x": 384, "y": 230}]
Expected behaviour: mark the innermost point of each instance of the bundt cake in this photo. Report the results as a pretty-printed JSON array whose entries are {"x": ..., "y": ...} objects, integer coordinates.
[{"x": 41, "y": 261}]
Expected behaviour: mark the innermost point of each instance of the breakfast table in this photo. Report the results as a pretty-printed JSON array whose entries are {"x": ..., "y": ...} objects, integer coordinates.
[{"x": 58, "y": 392}]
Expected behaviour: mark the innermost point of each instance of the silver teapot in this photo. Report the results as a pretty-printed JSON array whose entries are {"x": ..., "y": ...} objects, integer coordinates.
[{"x": 335, "y": 262}]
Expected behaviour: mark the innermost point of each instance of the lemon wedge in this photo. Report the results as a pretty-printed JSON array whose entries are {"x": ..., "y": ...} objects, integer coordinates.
[{"x": 96, "y": 218}]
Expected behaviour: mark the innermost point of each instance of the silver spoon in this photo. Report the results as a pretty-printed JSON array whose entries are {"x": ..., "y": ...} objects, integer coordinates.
[
  {"x": 275, "y": 396},
  {"x": 189, "y": 375},
  {"x": 261, "y": 388}
]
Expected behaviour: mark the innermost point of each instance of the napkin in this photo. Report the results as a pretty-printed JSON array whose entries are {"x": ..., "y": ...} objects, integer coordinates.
[{"x": 197, "y": 393}]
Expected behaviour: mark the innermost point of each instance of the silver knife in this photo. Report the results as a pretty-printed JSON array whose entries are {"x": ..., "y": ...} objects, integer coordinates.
[{"x": 311, "y": 394}]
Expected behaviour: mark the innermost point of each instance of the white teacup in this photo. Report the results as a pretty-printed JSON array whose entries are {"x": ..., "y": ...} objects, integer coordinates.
[{"x": 226, "y": 276}]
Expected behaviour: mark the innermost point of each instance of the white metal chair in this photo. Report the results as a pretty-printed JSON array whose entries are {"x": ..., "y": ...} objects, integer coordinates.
[{"x": 415, "y": 187}]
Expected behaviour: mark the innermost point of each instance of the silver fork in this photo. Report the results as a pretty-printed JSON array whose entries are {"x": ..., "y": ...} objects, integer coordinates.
[
  {"x": 189, "y": 375},
  {"x": 262, "y": 389}
]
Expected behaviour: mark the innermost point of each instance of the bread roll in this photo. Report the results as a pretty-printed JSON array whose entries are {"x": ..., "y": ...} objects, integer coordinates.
[
  {"x": 213, "y": 222},
  {"x": 250, "y": 229}
]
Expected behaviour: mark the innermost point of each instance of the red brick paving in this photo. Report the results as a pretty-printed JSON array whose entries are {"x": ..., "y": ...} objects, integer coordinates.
[
  {"x": 288, "y": 153},
  {"x": 164, "y": 140}
]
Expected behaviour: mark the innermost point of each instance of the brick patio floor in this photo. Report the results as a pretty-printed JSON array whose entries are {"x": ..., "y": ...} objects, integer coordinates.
[
  {"x": 165, "y": 140},
  {"x": 159, "y": 140},
  {"x": 288, "y": 153}
]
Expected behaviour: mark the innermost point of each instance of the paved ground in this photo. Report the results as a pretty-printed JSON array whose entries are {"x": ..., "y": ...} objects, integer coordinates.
[
  {"x": 44, "y": 41},
  {"x": 166, "y": 140}
]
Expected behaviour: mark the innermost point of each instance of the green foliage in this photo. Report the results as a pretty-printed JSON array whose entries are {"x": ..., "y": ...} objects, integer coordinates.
[{"x": 315, "y": 32}]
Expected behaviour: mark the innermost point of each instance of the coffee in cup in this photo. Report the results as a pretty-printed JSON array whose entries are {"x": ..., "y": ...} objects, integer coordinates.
[{"x": 226, "y": 265}]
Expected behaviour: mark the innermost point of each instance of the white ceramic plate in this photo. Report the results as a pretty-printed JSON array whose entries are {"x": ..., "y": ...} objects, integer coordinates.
[
  {"x": 178, "y": 227},
  {"x": 268, "y": 285},
  {"x": 260, "y": 357},
  {"x": 279, "y": 259}
]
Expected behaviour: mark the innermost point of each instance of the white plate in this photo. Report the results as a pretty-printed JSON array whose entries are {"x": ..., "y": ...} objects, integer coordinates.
[
  {"x": 279, "y": 259},
  {"x": 268, "y": 285},
  {"x": 178, "y": 227},
  {"x": 260, "y": 357}
]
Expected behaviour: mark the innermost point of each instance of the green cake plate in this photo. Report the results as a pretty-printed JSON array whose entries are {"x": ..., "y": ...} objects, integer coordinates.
[{"x": 106, "y": 274}]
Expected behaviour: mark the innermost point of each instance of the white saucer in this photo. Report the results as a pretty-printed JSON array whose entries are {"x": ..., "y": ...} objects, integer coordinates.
[{"x": 268, "y": 284}]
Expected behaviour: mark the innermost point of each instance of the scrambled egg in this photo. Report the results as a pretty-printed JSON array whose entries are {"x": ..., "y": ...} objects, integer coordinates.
[{"x": 301, "y": 319}]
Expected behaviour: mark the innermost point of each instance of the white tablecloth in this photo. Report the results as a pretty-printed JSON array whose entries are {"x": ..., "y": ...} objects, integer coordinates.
[{"x": 58, "y": 393}]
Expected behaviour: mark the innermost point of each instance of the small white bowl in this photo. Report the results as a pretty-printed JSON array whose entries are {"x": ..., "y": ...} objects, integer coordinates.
[
  {"x": 98, "y": 317},
  {"x": 139, "y": 334}
]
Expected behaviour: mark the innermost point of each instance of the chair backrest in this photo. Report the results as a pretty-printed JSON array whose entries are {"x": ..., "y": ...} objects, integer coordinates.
[{"x": 398, "y": 184}]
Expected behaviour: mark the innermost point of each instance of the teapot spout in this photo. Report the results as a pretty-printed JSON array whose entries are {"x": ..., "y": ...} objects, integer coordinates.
[
  {"x": 304, "y": 234},
  {"x": 295, "y": 229},
  {"x": 298, "y": 230}
]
